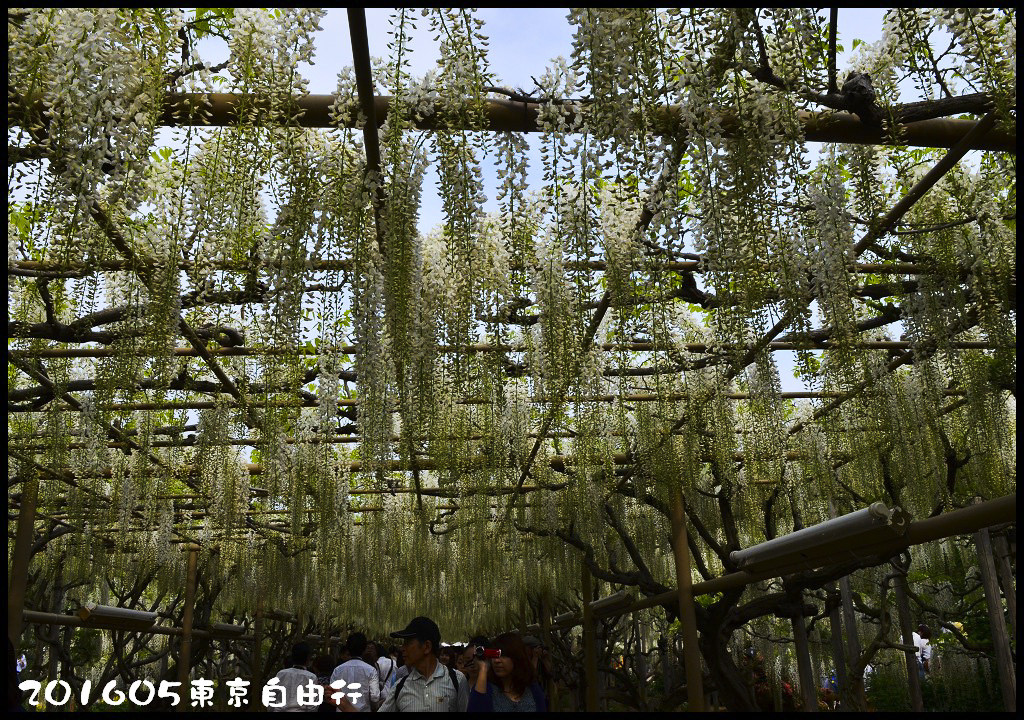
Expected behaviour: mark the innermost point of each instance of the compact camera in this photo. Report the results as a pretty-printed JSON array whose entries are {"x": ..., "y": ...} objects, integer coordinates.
[{"x": 483, "y": 653}]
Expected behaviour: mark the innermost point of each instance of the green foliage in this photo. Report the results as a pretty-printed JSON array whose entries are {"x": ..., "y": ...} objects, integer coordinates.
[{"x": 213, "y": 21}]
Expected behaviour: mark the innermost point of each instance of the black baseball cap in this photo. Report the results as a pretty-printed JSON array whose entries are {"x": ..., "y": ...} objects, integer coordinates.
[{"x": 423, "y": 629}]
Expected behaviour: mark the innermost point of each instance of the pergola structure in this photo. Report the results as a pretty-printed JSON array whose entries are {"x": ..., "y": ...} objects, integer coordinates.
[{"x": 239, "y": 370}]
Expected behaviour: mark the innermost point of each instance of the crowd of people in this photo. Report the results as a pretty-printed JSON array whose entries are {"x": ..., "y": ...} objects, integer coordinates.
[{"x": 418, "y": 674}]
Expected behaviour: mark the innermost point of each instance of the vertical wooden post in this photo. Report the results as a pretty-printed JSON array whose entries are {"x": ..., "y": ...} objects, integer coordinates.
[
  {"x": 665, "y": 657},
  {"x": 257, "y": 655},
  {"x": 808, "y": 688},
  {"x": 997, "y": 621},
  {"x": 852, "y": 639},
  {"x": 687, "y": 611},
  {"x": 849, "y": 619},
  {"x": 1005, "y": 572},
  {"x": 545, "y": 634},
  {"x": 185, "y": 658},
  {"x": 835, "y": 622},
  {"x": 641, "y": 660},
  {"x": 907, "y": 631},
  {"x": 20, "y": 559},
  {"x": 589, "y": 643},
  {"x": 814, "y": 638}
]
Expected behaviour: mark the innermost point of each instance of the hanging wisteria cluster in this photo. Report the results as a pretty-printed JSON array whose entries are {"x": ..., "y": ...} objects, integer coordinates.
[{"x": 360, "y": 419}]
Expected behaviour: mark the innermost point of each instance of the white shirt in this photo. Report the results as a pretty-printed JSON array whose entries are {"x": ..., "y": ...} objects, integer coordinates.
[
  {"x": 291, "y": 679},
  {"x": 386, "y": 668},
  {"x": 356, "y": 671},
  {"x": 924, "y": 648}
]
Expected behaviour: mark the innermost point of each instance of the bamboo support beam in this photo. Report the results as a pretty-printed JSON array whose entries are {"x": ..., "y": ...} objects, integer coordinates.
[
  {"x": 202, "y": 109},
  {"x": 350, "y": 402},
  {"x": 45, "y": 618},
  {"x": 687, "y": 609},
  {"x": 589, "y": 642},
  {"x": 907, "y": 633},
  {"x": 922, "y": 186},
  {"x": 192, "y": 441},
  {"x": 20, "y": 560},
  {"x": 318, "y": 265},
  {"x": 778, "y": 346},
  {"x": 257, "y": 648},
  {"x": 835, "y": 624},
  {"x": 1006, "y": 579},
  {"x": 142, "y": 267},
  {"x": 997, "y": 621},
  {"x": 74, "y": 405},
  {"x": 557, "y": 463},
  {"x": 185, "y": 657},
  {"x": 956, "y": 522},
  {"x": 808, "y": 688}
]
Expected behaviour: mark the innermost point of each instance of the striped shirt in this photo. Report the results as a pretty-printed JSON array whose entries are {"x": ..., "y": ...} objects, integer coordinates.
[{"x": 429, "y": 694}]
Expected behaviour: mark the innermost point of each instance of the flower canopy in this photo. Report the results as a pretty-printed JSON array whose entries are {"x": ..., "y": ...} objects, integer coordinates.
[{"x": 229, "y": 330}]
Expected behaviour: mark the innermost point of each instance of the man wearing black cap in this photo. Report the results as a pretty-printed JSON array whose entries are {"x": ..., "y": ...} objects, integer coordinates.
[{"x": 429, "y": 686}]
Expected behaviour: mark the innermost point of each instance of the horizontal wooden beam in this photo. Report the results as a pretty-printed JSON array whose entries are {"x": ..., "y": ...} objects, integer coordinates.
[
  {"x": 181, "y": 109},
  {"x": 780, "y": 346},
  {"x": 311, "y": 265},
  {"x": 633, "y": 397},
  {"x": 956, "y": 522}
]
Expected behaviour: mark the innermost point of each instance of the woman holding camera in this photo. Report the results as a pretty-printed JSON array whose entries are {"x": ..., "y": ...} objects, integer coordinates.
[{"x": 514, "y": 688}]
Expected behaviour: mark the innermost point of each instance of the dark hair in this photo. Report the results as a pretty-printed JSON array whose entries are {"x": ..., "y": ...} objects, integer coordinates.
[
  {"x": 480, "y": 640},
  {"x": 323, "y": 665},
  {"x": 924, "y": 631},
  {"x": 512, "y": 647},
  {"x": 300, "y": 653},
  {"x": 356, "y": 644}
]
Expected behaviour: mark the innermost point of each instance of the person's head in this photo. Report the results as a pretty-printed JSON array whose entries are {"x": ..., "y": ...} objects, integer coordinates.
[
  {"x": 466, "y": 663},
  {"x": 533, "y": 648},
  {"x": 924, "y": 631},
  {"x": 371, "y": 653},
  {"x": 514, "y": 669},
  {"x": 445, "y": 656},
  {"x": 356, "y": 644},
  {"x": 420, "y": 638},
  {"x": 300, "y": 653},
  {"x": 392, "y": 651},
  {"x": 479, "y": 640},
  {"x": 322, "y": 665}
]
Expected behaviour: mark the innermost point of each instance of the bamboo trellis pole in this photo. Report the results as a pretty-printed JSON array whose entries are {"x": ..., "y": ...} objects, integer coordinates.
[
  {"x": 687, "y": 610},
  {"x": 185, "y": 657},
  {"x": 181, "y": 109},
  {"x": 316, "y": 265},
  {"x": 997, "y": 620},
  {"x": 348, "y": 402},
  {"x": 192, "y": 441},
  {"x": 777, "y": 346},
  {"x": 943, "y": 166},
  {"x": 19, "y": 563}
]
